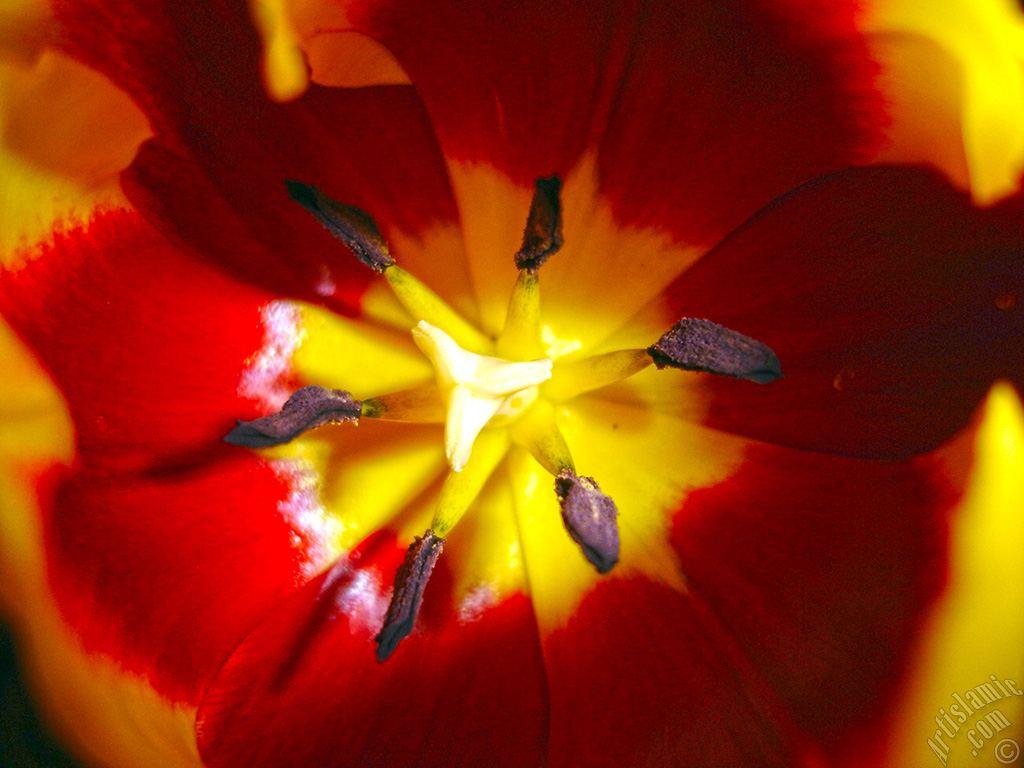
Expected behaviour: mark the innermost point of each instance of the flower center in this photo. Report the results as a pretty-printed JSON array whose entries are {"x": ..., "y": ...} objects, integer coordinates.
[
  {"x": 478, "y": 389},
  {"x": 491, "y": 393}
]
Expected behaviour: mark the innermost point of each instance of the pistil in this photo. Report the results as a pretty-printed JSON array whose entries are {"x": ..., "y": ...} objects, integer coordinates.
[{"x": 478, "y": 387}]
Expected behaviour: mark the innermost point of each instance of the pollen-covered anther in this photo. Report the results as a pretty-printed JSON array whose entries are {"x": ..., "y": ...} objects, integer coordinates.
[
  {"x": 590, "y": 517},
  {"x": 410, "y": 581},
  {"x": 306, "y": 409},
  {"x": 357, "y": 229},
  {"x": 701, "y": 345},
  {"x": 478, "y": 388},
  {"x": 543, "y": 234},
  {"x": 353, "y": 226}
]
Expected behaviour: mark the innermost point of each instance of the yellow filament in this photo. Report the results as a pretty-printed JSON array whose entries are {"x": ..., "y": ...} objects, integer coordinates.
[
  {"x": 422, "y": 404},
  {"x": 574, "y": 378},
  {"x": 538, "y": 432},
  {"x": 521, "y": 340},
  {"x": 461, "y": 488},
  {"x": 425, "y": 305}
]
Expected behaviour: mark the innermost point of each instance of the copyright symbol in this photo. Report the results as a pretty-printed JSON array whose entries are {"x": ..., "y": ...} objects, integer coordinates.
[{"x": 1007, "y": 751}]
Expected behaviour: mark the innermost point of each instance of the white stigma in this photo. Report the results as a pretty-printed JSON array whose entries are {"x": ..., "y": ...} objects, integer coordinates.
[{"x": 478, "y": 388}]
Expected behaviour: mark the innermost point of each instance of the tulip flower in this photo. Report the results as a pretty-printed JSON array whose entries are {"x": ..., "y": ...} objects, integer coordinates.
[{"x": 457, "y": 384}]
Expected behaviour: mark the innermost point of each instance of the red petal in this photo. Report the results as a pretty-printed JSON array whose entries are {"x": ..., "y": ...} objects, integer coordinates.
[
  {"x": 168, "y": 574},
  {"x": 147, "y": 344},
  {"x": 645, "y": 676},
  {"x": 821, "y": 569},
  {"x": 214, "y": 176},
  {"x": 890, "y": 300},
  {"x": 728, "y": 105},
  {"x": 701, "y": 112},
  {"x": 168, "y": 544},
  {"x": 306, "y": 689}
]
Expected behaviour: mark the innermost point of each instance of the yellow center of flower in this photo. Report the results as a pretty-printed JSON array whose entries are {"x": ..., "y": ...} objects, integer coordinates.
[{"x": 510, "y": 402}]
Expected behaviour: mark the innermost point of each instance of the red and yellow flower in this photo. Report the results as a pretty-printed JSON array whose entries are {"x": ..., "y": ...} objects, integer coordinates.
[{"x": 185, "y": 601}]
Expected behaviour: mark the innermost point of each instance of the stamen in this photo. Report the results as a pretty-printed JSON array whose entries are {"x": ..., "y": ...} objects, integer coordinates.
[
  {"x": 410, "y": 581},
  {"x": 353, "y": 226},
  {"x": 423, "y": 304},
  {"x": 459, "y": 492},
  {"x": 538, "y": 433},
  {"x": 461, "y": 488},
  {"x": 701, "y": 345},
  {"x": 589, "y": 514},
  {"x": 306, "y": 409},
  {"x": 590, "y": 518},
  {"x": 574, "y": 378},
  {"x": 357, "y": 229},
  {"x": 521, "y": 338},
  {"x": 543, "y": 234},
  {"x": 422, "y": 405}
]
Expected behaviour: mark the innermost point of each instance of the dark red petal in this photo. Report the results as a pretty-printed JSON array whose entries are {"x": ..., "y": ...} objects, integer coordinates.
[
  {"x": 891, "y": 302},
  {"x": 821, "y": 569},
  {"x": 701, "y": 112},
  {"x": 214, "y": 176},
  {"x": 166, "y": 545},
  {"x": 728, "y": 105},
  {"x": 147, "y": 344},
  {"x": 643, "y": 675},
  {"x": 306, "y": 687}
]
